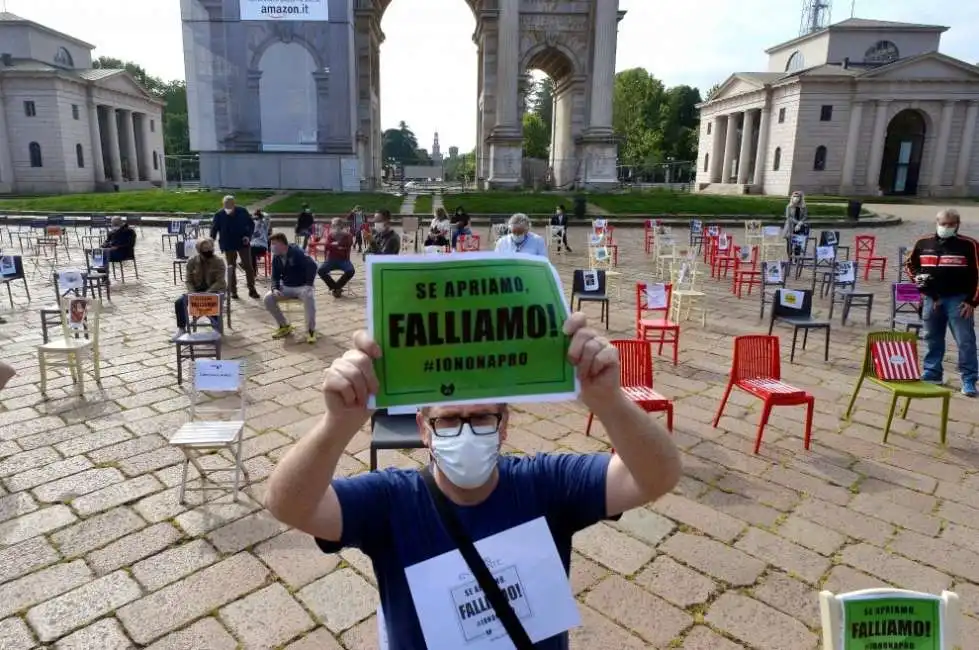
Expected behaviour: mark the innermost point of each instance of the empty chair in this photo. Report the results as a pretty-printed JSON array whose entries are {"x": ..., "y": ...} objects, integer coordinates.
[
  {"x": 79, "y": 342},
  {"x": 867, "y": 256},
  {"x": 756, "y": 369},
  {"x": 653, "y": 324},
  {"x": 12, "y": 270},
  {"x": 906, "y": 306},
  {"x": 590, "y": 286},
  {"x": 204, "y": 436},
  {"x": 66, "y": 283},
  {"x": 773, "y": 277},
  {"x": 174, "y": 232},
  {"x": 843, "y": 290},
  {"x": 96, "y": 278},
  {"x": 794, "y": 307},
  {"x": 390, "y": 430},
  {"x": 832, "y": 238},
  {"x": 636, "y": 381}
]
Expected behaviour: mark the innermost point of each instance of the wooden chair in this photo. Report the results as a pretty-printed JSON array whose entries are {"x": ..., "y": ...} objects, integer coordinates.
[
  {"x": 636, "y": 381},
  {"x": 685, "y": 297},
  {"x": 653, "y": 322},
  {"x": 196, "y": 343},
  {"x": 721, "y": 255},
  {"x": 903, "y": 344},
  {"x": 80, "y": 340},
  {"x": 906, "y": 306},
  {"x": 795, "y": 308},
  {"x": 867, "y": 257},
  {"x": 223, "y": 428},
  {"x": 756, "y": 369},
  {"x": 746, "y": 272}
]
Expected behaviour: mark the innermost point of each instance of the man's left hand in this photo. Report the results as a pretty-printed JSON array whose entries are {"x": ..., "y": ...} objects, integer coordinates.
[
  {"x": 966, "y": 310},
  {"x": 595, "y": 360}
]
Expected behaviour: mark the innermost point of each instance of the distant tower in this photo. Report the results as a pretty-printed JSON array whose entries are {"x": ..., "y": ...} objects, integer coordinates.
[
  {"x": 436, "y": 149},
  {"x": 815, "y": 16}
]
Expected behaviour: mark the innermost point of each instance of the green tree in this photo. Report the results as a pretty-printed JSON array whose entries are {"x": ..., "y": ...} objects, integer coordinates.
[
  {"x": 536, "y": 136},
  {"x": 679, "y": 121},
  {"x": 637, "y": 100},
  {"x": 713, "y": 91},
  {"x": 543, "y": 102},
  {"x": 400, "y": 146}
]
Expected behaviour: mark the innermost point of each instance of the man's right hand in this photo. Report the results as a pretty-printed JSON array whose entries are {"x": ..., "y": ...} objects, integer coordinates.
[{"x": 350, "y": 381}]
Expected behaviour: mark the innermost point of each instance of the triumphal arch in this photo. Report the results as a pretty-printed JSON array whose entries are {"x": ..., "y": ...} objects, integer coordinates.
[{"x": 286, "y": 93}]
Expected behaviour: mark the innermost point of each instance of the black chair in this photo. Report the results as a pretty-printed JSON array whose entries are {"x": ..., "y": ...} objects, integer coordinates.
[
  {"x": 18, "y": 274},
  {"x": 824, "y": 265},
  {"x": 174, "y": 232},
  {"x": 598, "y": 294},
  {"x": 95, "y": 275},
  {"x": 393, "y": 432},
  {"x": 768, "y": 284},
  {"x": 199, "y": 344},
  {"x": 906, "y": 306},
  {"x": 121, "y": 265},
  {"x": 800, "y": 258},
  {"x": 180, "y": 260},
  {"x": 843, "y": 289},
  {"x": 799, "y": 316}
]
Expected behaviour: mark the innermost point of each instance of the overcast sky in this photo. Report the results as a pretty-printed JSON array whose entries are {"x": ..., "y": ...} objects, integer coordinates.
[{"x": 428, "y": 62}]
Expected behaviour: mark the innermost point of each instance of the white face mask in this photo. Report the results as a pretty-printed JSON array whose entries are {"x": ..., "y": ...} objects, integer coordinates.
[
  {"x": 795, "y": 200},
  {"x": 519, "y": 239},
  {"x": 378, "y": 227},
  {"x": 229, "y": 210},
  {"x": 467, "y": 460},
  {"x": 944, "y": 232}
]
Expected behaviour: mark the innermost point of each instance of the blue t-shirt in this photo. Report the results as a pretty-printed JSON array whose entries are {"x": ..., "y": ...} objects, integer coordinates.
[{"x": 390, "y": 516}]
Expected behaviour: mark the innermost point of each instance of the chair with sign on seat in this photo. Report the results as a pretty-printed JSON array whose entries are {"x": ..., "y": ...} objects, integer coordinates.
[
  {"x": 890, "y": 361},
  {"x": 590, "y": 286},
  {"x": 794, "y": 307},
  {"x": 867, "y": 256},
  {"x": 653, "y": 324},
  {"x": 79, "y": 341},
  {"x": 746, "y": 272},
  {"x": 906, "y": 306},
  {"x": 223, "y": 428},
  {"x": 636, "y": 381},
  {"x": 756, "y": 369},
  {"x": 197, "y": 343}
]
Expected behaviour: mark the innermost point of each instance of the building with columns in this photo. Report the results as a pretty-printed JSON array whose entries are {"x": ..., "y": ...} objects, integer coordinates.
[
  {"x": 862, "y": 107},
  {"x": 295, "y": 102},
  {"x": 67, "y": 127}
]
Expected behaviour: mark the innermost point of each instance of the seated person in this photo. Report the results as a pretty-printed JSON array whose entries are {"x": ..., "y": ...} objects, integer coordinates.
[
  {"x": 461, "y": 228},
  {"x": 260, "y": 238},
  {"x": 205, "y": 273},
  {"x": 121, "y": 243},
  {"x": 293, "y": 275},
  {"x": 304, "y": 225},
  {"x": 338, "y": 246},
  {"x": 436, "y": 237},
  {"x": 520, "y": 239}
]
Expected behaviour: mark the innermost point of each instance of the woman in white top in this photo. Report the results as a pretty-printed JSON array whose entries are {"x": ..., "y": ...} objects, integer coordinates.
[{"x": 440, "y": 222}]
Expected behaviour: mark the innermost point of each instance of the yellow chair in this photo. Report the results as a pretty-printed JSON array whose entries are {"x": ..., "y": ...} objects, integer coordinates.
[
  {"x": 686, "y": 297},
  {"x": 80, "y": 341}
]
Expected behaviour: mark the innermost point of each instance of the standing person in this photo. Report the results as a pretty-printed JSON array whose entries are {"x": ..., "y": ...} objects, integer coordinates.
[
  {"x": 385, "y": 240},
  {"x": 233, "y": 227},
  {"x": 338, "y": 248},
  {"x": 260, "y": 238},
  {"x": 796, "y": 222},
  {"x": 945, "y": 266},
  {"x": 560, "y": 218},
  {"x": 390, "y": 515},
  {"x": 520, "y": 239},
  {"x": 205, "y": 273},
  {"x": 293, "y": 275},
  {"x": 356, "y": 219},
  {"x": 304, "y": 226},
  {"x": 440, "y": 221}
]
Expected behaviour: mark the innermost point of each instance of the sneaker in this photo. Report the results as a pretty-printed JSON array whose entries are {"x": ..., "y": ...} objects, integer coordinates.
[
  {"x": 252, "y": 293},
  {"x": 282, "y": 332},
  {"x": 969, "y": 388},
  {"x": 311, "y": 337}
]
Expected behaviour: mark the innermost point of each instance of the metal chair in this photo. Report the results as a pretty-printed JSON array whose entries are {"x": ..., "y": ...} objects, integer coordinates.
[
  {"x": 390, "y": 431},
  {"x": 196, "y": 344},
  {"x": 590, "y": 286},
  {"x": 795, "y": 308}
]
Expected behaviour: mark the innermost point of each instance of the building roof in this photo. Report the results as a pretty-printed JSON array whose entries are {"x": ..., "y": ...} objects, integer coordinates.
[
  {"x": 94, "y": 74},
  {"x": 87, "y": 76},
  {"x": 860, "y": 24},
  {"x": 7, "y": 17}
]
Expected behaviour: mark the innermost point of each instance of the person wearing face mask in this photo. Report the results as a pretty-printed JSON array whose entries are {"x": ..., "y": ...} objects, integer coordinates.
[
  {"x": 293, "y": 275},
  {"x": 945, "y": 266},
  {"x": 233, "y": 228},
  {"x": 385, "y": 240},
  {"x": 560, "y": 218},
  {"x": 461, "y": 229},
  {"x": 304, "y": 226},
  {"x": 338, "y": 247},
  {"x": 520, "y": 239},
  {"x": 205, "y": 273},
  {"x": 390, "y": 515},
  {"x": 436, "y": 237},
  {"x": 260, "y": 238},
  {"x": 796, "y": 221},
  {"x": 440, "y": 221}
]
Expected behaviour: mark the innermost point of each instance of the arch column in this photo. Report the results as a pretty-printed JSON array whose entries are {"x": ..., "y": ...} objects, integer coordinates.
[
  {"x": 115, "y": 156},
  {"x": 939, "y": 157},
  {"x": 601, "y": 149},
  {"x": 506, "y": 139},
  {"x": 877, "y": 145},
  {"x": 729, "y": 144},
  {"x": 965, "y": 155}
]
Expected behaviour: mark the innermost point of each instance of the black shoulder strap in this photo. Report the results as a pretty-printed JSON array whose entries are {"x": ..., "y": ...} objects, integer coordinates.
[{"x": 487, "y": 583}]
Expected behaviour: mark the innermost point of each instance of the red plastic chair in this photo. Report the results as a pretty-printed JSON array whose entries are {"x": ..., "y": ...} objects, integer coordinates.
[
  {"x": 757, "y": 371},
  {"x": 868, "y": 261},
  {"x": 467, "y": 244},
  {"x": 266, "y": 261},
  {"x": 318, "y": 240},
  {"x": 653, "y": 324},
  {"x": 649, "y": 234},
  {"x": 721, "y": 255},
  {"x": 746, "y": 271},
  {"x": 636, "y": 379}
]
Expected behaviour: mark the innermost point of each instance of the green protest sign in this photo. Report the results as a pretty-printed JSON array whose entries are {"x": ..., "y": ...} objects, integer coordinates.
[
  {"x": 473, "y": 327},
  {"x": 892, "y": 623}
]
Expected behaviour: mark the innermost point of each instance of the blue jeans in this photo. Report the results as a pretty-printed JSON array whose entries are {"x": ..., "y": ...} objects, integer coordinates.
[
  {"x": 939, "y": 316},
  {"x": 329, "y": 266}
]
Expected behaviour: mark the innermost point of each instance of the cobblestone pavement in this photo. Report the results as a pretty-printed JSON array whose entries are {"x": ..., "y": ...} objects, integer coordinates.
[{"x": 95, "y": 551}]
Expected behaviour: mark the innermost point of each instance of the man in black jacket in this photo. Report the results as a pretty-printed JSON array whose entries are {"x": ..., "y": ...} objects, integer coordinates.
[
  {"x": 945, "y": 266},
  {"x": 233, "y": 227},
  {"x": 304, "y": 226},
  {"x": 121, "y": 242},
  {"x": 293, "y": 275},
  {"x": 561, "y": 219},
  {"x": 385, "y": 241}
]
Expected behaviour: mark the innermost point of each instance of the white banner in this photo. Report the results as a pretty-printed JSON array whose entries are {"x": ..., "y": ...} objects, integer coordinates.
[{"x": 312, "y": 10}]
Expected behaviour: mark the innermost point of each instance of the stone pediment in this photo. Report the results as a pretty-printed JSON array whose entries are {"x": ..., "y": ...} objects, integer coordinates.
[
  {"x": 736, "y": 85},
  {"x": 927, "y": 67},
  {"x": 123, "y": 82}
]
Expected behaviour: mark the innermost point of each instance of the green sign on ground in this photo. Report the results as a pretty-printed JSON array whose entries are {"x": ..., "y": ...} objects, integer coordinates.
[
  {"x": 472, "y": 327},
  {"x": 890, "y": 623}
]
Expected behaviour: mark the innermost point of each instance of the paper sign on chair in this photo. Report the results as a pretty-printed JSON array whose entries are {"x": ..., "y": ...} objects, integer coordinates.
[
  {"x": 591, "y": 280},
  {"x": 895, "y": 361},
  {"x": 656, "y": 296},
  {"x": 216, "y": 375},
  {"x": 773, "y": 273},
  {"x": 792, "y": 298},
  {"x": 7, "y": 265},
  {"x": 69, "y": 280}
]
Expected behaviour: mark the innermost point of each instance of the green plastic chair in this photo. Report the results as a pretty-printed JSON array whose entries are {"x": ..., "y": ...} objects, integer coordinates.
[{"x": 907, "y": 389}]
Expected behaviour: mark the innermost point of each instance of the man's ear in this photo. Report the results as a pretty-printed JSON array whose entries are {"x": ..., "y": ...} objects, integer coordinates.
[
  {"x": 504, "y": 422},
  {"x": 423, "y": 430}
]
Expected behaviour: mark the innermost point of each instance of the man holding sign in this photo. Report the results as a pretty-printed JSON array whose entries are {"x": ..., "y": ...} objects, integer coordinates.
[{"x": 391, "y": 515}]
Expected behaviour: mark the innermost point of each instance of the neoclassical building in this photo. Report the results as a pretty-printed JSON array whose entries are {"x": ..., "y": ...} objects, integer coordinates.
[
  {"x": 863, "y": 107},
  {"x": 66, "y": 127},
  {"x": 295, "y": 102}
]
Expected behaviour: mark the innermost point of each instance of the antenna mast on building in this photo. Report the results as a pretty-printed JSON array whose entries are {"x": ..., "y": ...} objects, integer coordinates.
[{"x": 815, "y": 16}]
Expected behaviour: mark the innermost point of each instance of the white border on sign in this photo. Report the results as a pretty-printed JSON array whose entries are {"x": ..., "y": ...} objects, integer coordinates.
[
  {"x": 832, "y": 613},
  {"x": 317, "y": 10},
  {"x": 393, "y": 260}
]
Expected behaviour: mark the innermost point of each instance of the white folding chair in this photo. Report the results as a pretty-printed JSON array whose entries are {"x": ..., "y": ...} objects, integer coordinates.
[{"x": 202, "y": 436}]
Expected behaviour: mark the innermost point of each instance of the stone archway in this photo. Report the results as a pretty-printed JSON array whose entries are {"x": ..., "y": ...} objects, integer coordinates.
[
  {"x": 904, "y": 147},
  {"x": 287, "y": 98},
  {"x": 571, "y": 41}
]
